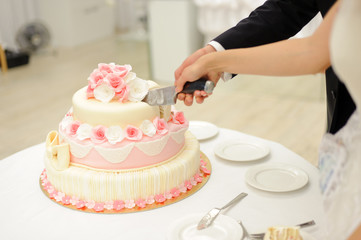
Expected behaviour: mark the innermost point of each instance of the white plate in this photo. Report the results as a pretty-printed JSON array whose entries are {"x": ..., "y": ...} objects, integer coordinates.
[
  {"x": 223, "y": 228},
  {"x": 203, "y": 130},
  {"x": 276, "y": 177},
  {"x": 306, "y": 236},
  {"x": 241, "y": 150}
]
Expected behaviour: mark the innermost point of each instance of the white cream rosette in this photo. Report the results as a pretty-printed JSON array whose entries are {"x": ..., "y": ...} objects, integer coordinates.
[
  {"x": 104, "y": 93},
  {"x": 138, "y": 89},
  {"x": 148, "y": 128},
  {"x": 114, "y": 134}
]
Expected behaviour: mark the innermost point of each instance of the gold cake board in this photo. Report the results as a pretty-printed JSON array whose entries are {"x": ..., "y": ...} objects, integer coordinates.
[{"x": 155, "y": 205}]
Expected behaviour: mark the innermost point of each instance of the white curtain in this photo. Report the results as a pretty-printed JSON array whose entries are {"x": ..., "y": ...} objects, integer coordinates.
[
  {"x": 13, "y": 15},
  {"x": 216, "y": 16}
]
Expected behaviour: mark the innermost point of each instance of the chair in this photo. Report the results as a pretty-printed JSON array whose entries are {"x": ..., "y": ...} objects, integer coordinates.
[{"x": 3, "y": 61}]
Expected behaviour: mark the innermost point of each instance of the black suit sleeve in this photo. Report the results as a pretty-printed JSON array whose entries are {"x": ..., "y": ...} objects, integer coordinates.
[{"x": 275, "y": 20}]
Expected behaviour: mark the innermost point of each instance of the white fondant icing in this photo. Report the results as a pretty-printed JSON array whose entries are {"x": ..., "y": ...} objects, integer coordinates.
[
  {"x": 79, "y": 150},
  {"x": 154, "y": 147},
  {"x": 178, "y": 137},
  {"x": 115, "y": 155}
]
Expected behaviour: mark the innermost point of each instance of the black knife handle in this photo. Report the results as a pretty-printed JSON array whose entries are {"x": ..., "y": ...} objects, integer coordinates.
[{"x": 201, "y": 84}]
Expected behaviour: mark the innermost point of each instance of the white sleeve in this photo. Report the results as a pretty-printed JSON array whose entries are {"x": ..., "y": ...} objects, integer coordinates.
[{"x": 225, "y": 75}]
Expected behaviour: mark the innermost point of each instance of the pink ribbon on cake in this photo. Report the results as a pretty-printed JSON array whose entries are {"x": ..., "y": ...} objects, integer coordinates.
[{"x": 58, "y": 154}]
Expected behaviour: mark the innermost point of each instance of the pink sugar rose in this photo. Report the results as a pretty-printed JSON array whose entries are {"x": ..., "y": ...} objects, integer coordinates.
[
  {"x": 205, "y": 170},
  {"x": 161, "y": 125},
  {"x": 118, "y": 205},
  {"x": 50, "y": 189},
  {"x": 98, "y": 207},
  {"x": 116, "y": 81},
  {"x": 59, "y": 197},
  {"x": 53, "y": 194},
  {"x": 129, "y": 204},
  {"x": 168, "y": 195},
  {"x": 74, "y": 200},
  {"x": 122, "y": 95},
  {"x": 123, "y": 70},
  {"x": 188, "y": 185},
  {"x": 183, "y": 188},
  {"x": 198, "y": 178},
  {"x": 72, "y": 128},
  {"x": 109, "y": 205},
  {"x": 66, "y": 200},
  {"x": 140, "y": 203},
  {"x": 193, "y": 181},
  {"x": 89, "y": 92},
  {"x": 175, "y": 192},
  {"x": 80, "y": 204},
  {"x": 150, "y": 200},
  {"x": 103, "y": 67},
  {"x": 90, "y": 204},
  {"x": 133, "y": 133},
  {"x": 160, "y": 198},
  {"x": 96, "y": 78},
  {"x": 98, "y": 134},
  {"x": 178, "y": 118}
]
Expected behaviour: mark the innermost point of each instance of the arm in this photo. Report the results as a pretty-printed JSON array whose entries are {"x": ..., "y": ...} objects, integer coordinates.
[
  {"x": 287, "y": 57},
  {"x": 275, "y": 20}
]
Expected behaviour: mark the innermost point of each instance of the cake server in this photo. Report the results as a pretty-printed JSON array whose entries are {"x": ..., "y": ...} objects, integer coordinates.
[
  {"x": 207, "y": 220},
  {"x": 168, "y": 95}
]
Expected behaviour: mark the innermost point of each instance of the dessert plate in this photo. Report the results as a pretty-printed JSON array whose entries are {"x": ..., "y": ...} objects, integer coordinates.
[
  {"x": 203, "y": 130},
  {"x": 306, "y": 236},
  {"x": 241, "y": 150},
  {"x": 276, "y": 177},
  {"x": 223, "y": 228}
]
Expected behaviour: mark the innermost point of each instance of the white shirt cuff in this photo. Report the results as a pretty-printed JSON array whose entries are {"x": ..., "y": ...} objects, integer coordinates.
[{"x": 225, "y": 75}]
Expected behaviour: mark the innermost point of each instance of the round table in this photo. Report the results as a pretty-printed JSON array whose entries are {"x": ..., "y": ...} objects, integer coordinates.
[{"x": 27, "y": 214}]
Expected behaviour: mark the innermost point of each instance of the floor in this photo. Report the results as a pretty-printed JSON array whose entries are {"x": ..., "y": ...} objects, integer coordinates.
[{"x": 35, "y": 97}]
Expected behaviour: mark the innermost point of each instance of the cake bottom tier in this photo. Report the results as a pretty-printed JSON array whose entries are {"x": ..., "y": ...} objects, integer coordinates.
[{"x": 79, "y": 183}]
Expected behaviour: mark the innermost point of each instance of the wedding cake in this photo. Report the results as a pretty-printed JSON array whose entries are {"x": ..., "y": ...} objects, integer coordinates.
[{"x": 113, "y": 152}]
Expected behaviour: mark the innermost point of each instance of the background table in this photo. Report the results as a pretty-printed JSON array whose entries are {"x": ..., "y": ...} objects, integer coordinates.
[{"x": 25, "y": 212}]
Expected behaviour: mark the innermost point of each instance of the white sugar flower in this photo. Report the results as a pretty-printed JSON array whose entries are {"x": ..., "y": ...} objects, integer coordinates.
[
  {"x": 148, "y": 128},
  {"x": 84, "y": 131},
  {"x": 138, "y": 89},
  {"x": 66, "y": 121},
  {"x": 104, "y": 93},
  {"x": 130, "y": 76},
  {"x": 114, "y": 134}
]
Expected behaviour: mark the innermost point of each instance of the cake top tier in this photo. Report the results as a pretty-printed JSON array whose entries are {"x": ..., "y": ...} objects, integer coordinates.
[
  {"x": 114, "y": 97},
  {"x": 116, "y": 82}
]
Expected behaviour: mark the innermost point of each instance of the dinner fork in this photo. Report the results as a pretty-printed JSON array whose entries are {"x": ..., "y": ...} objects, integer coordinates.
[
  {"x": 256, "y": 236},
  {"x": 245, "y": 233}
]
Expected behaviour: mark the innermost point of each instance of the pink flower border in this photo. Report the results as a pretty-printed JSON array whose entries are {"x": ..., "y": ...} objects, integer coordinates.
[{"x": 121, "y": 205}]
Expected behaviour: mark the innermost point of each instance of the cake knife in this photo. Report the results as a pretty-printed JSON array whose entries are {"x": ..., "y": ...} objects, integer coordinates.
[{"x": 168, "y": 95}]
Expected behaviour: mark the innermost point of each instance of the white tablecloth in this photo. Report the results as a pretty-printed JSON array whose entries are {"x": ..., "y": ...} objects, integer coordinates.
[{"x": 25, "y": 212}]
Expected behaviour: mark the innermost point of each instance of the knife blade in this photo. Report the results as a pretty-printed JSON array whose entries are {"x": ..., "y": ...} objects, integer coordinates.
[{"x": 168, "y": 95}]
